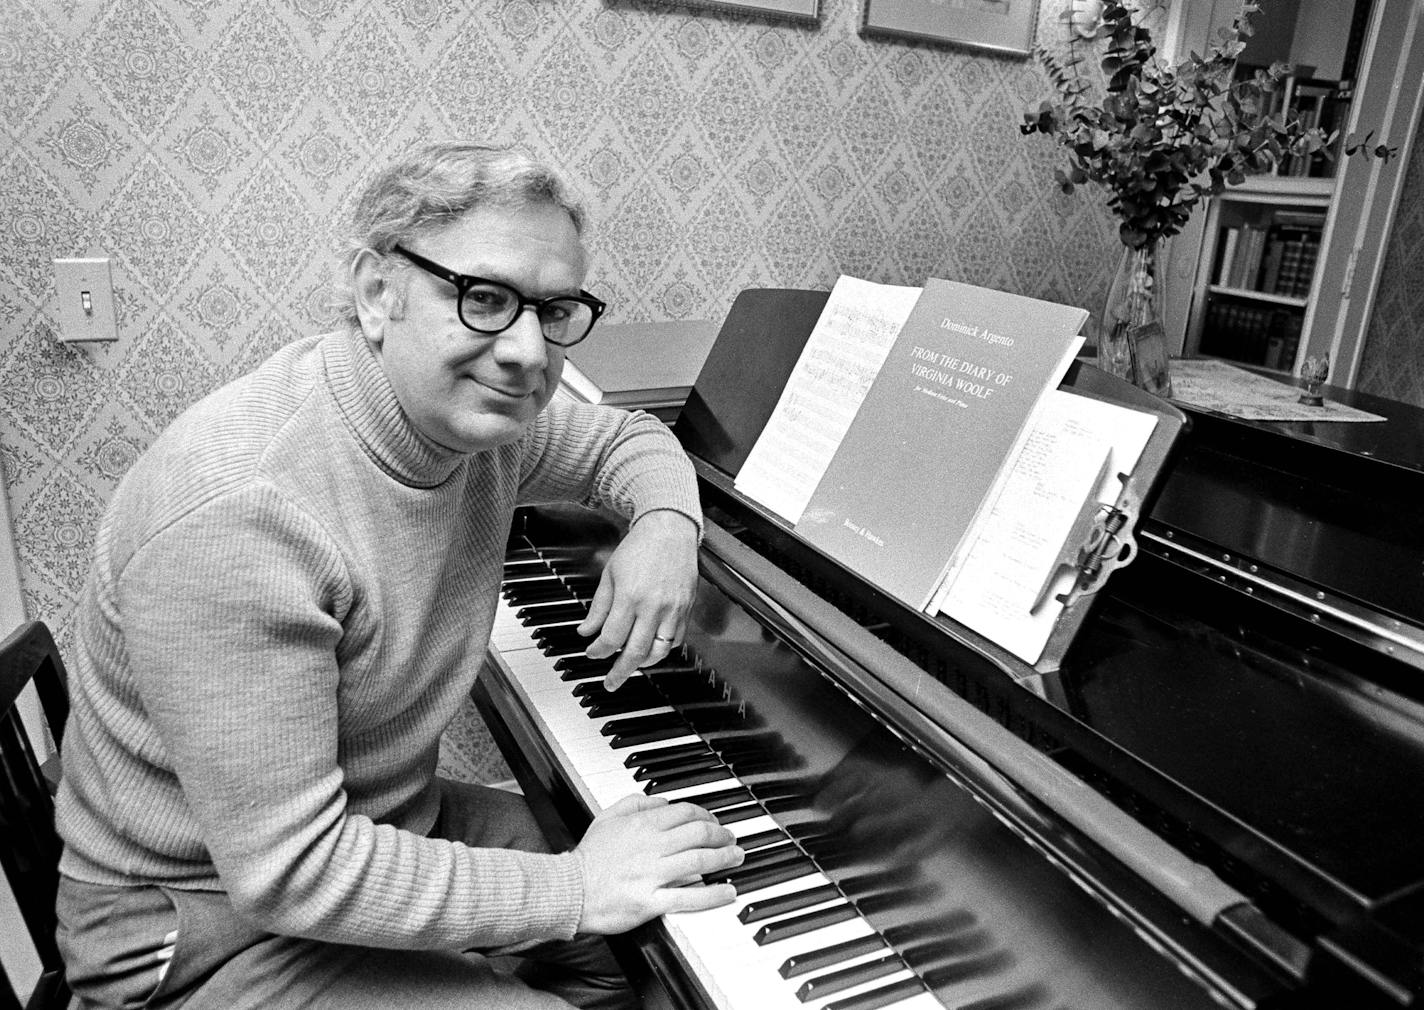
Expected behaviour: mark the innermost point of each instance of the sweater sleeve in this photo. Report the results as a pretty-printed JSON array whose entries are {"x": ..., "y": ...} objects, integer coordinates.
[
  {"x": 232, "y": 620},
  {"x": 625, "y": 461}
]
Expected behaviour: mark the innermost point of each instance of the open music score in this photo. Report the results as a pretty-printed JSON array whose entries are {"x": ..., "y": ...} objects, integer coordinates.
[
  {"x": 921, "y": 441},
  {"x": 820, "y": 399},
  {"x": 1023, "y": 566}
]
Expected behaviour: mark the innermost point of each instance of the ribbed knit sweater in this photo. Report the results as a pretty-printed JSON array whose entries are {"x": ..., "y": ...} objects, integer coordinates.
[{"x": 291, "y": 597}]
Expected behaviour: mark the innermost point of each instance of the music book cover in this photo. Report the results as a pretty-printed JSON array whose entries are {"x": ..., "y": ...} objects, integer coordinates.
[
  {"x": 638, "y": 364},
  {"x": 933, "y": 437}
]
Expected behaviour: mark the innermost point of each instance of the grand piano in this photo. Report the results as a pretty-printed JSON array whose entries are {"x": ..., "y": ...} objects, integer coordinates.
[{"x": 1216, "y": 799}]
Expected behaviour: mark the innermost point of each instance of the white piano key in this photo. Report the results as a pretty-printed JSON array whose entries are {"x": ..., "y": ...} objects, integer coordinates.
[{"x": 753, "y": 825}]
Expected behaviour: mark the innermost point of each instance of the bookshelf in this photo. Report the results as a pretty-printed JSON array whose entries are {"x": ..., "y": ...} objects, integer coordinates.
[
  {"x": 1256, "y": 273},
  {"x": 1375, "y": 49},
  {"x": 1261, "y": 247}
]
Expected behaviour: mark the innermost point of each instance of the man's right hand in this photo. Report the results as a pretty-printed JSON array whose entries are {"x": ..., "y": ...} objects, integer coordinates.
[{"x": 643, "y": 857}]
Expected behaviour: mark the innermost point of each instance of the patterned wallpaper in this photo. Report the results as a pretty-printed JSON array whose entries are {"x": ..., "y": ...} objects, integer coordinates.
[{"x": 211, "y": 148}]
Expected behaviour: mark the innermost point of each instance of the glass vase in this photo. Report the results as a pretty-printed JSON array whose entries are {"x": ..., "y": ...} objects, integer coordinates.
[{"x": 1131, "y": 342}]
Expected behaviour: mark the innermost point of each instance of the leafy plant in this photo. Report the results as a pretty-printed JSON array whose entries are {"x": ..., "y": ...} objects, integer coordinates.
[{"x": 1163, "y": 138}]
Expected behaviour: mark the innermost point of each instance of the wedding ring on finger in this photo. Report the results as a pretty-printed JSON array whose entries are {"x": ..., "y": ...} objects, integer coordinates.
[{"x": 665, "y": 639}]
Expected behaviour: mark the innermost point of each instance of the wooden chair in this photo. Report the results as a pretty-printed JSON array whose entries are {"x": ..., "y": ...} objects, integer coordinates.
[{"x": 29, "y": 845}]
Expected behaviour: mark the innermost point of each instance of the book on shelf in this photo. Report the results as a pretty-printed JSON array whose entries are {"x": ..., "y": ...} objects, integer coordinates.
[
  {"x": 1276, "y": 258},
  {"x": 1257, "y": 333},
  {"x": 1228, "y": 242},
  {"x": 1271, "y": 261},
  {"x": 922, "y": 441},
  {"x": 1248, "y": 266},
  {"x": 649, "y": 366},
  {"x": 1304, "y": 276}
]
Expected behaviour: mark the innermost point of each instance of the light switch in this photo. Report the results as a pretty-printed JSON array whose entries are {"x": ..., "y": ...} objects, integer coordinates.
[{"x": 86, "y": 300}]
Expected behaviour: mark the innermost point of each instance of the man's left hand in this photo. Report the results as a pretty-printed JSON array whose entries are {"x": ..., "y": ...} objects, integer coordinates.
[{"x": 640, "y": 608}]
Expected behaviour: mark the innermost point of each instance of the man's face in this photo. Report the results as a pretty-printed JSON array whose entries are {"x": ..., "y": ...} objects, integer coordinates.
[{"x": 471, "y": 391}]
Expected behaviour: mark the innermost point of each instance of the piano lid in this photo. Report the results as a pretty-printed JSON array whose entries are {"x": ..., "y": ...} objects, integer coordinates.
[
  {"x": 1251, "y": 686},
  {"x": 1333, "y": 504}
]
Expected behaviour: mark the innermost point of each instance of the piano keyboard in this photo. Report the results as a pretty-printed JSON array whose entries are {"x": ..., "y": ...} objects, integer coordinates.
[{"x": 791, "y": 939}]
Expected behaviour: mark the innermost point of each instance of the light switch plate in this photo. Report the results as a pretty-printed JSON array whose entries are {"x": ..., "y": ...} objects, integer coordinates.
[{"x": 86, "y": 300}]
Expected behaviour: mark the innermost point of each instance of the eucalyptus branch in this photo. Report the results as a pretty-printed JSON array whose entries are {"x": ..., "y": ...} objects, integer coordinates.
[{"x": 1163, "y": 138}]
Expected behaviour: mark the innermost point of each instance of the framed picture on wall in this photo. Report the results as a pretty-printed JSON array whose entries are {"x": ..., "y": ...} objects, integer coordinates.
[
  {"x": 806, "y": 10},
  {"x": 1003, "y": 26}
]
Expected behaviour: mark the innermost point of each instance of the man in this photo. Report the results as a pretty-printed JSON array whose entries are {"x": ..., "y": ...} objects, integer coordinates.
[{"x": 291, "y": 596}]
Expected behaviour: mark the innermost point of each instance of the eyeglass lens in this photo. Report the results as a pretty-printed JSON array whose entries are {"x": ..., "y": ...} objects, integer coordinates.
[{"x": 491, "y": 308}]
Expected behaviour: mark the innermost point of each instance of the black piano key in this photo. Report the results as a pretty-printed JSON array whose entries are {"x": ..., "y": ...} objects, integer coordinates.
[
  {"x": 663, "y": 767},
  {"x": 783, "y": 904},
  {"x": 927, "y": 955},
  {"x": 557, "y": 650},
  {"x": 755, "y": 880},
  {"x": 934, "y": 930},
  {"x": 827, "y": 957},
  {"x": 973, "y": 966},
  {"x": 558, "y": 630},
  {"x": 724, "y": 798},
  {"x": 761, "y": 839},
  {"x": 873, "y": 999},
  {"x": 582, "y": 662},
  {"x": 637, "y": 684},
  {"x": 681, "y": 780},
  {"x": 731, "y": 815},
  {"x": 876, "y": 885},
  {"x": 595, "y": 691},
  {"x": 797, "y": 925},
  {"x": 679, "y": 690},
  {"x": 643, "y": 723},
  {"x": 560, "y": 636},
  {"x": 782, "y": 798},
  {"x": 698, "y": 757},
  {"x": 832, "y": 982},
  {"x": 638, "y": 738},
  {"x": 635, "y": 702},
  {"x": 640, "y": 758},
  {"x": 520, "y": 595},
  {"x": 757, "y": 861},
  {"x": 553, "y": 613},
  {"x": 593, "y": 670},
  {"x": 577, "y": 661},
  {"x": 634, "y": 690}
]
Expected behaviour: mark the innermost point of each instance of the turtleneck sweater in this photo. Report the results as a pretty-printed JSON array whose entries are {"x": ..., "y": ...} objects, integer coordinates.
[{"x": 291, "y": 596}]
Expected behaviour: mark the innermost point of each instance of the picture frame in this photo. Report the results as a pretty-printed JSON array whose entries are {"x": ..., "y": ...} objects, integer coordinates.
[
  {"x": 1002, "y": 26},
  {"x": 799, "y": 10}
]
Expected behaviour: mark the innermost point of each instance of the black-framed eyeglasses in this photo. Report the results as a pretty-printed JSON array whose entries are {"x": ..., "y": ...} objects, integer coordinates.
[{"x": 490, "y": 307}]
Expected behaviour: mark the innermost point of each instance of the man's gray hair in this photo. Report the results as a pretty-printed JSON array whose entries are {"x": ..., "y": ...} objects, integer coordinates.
[{"x": 437, "y": 185}]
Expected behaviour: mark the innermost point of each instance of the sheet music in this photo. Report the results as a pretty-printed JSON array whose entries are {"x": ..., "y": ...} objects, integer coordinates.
[
  {"x": 825, "y": 389},
  {"x": 1004, "y": 571}
]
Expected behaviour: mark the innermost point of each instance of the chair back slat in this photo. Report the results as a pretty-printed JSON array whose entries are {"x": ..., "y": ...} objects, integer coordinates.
[{"x": 29, "y": 844}]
